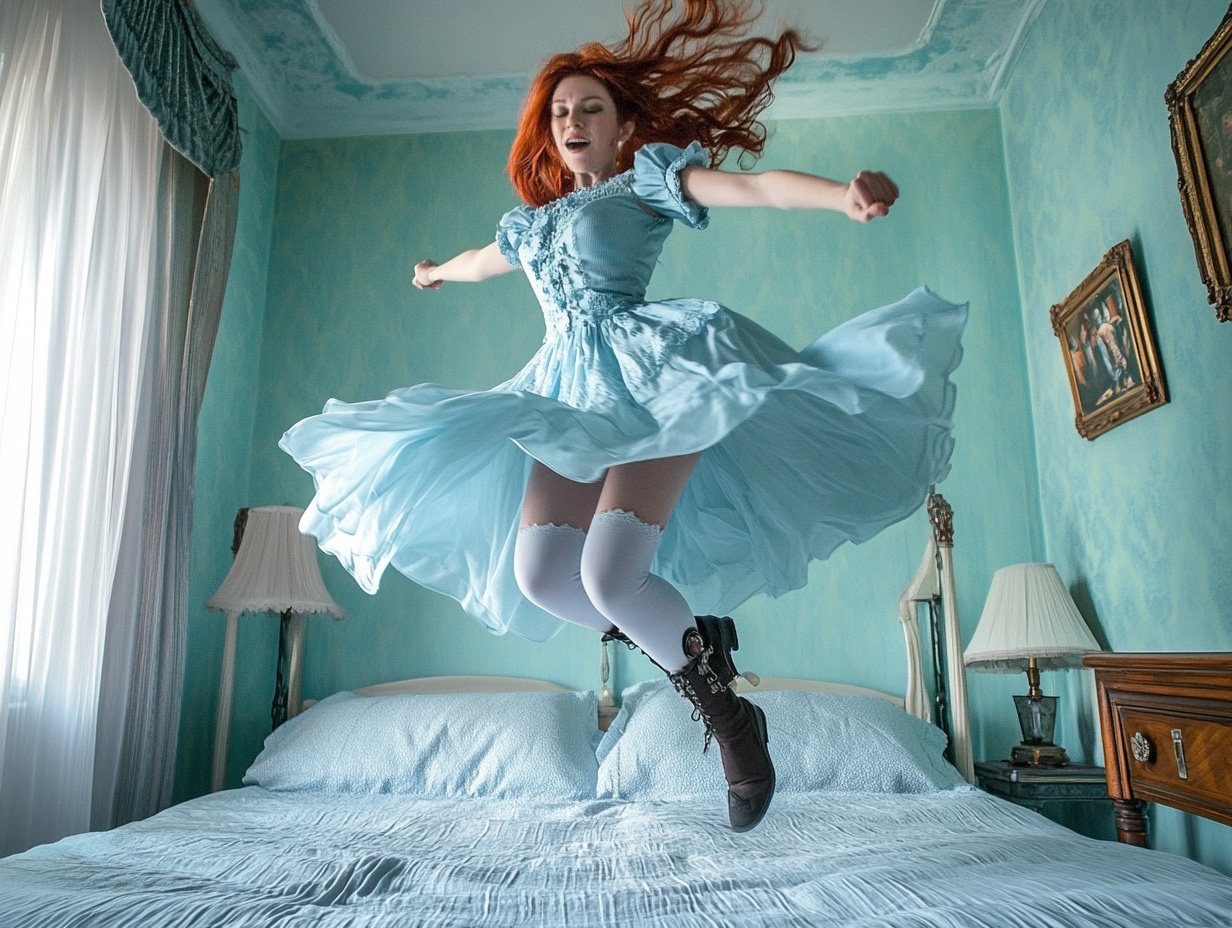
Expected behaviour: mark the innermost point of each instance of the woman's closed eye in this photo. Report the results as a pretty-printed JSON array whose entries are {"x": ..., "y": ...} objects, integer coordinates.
[{"x": 588, "y": 110}]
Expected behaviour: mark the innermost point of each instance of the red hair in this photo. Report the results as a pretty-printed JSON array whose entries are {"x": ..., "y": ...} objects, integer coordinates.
[{"x": 697, "y": 77}]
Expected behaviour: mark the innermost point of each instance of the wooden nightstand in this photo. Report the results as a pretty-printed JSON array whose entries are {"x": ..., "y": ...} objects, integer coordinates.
[
  {"x": 1167, "y": 727},
  {"x": 1034, "y": 786}
]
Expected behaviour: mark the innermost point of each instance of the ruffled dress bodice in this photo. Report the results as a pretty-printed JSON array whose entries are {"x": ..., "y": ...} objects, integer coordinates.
[
  {"x": 592, "y": 252},
  {"x": 589, "y": 257}
]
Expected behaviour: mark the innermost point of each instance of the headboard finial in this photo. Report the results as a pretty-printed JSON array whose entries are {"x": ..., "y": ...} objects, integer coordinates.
[{"x": 942, "y": 518}]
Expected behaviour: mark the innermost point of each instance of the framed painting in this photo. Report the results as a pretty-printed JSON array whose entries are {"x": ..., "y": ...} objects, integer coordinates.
[
  {"x": 1110, "y": 353},
  {"x": 1200, "y": 115}
]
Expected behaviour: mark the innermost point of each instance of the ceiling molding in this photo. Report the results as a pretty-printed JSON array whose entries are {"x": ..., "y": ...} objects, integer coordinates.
[{"x": 304, "y": 80}]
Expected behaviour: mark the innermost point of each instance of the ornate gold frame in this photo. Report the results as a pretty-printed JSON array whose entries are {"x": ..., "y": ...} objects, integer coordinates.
[
  {"x": 1193, "y": 180},
  {"x": 1142, "y": 386}
]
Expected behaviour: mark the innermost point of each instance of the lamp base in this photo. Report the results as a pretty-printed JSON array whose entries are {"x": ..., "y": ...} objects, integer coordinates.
[{"x": 1038, "y": 755}]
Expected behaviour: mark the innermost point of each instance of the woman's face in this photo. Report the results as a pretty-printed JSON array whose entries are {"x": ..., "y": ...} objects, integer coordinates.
[{"x": 587, "y": 129}]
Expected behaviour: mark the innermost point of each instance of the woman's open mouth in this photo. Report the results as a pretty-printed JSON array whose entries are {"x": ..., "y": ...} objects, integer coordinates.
[{"x": 576, "y": 144}]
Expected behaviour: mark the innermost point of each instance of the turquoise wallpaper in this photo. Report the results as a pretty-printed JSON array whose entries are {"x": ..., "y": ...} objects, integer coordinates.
[{"x": 1136, "y": 520}]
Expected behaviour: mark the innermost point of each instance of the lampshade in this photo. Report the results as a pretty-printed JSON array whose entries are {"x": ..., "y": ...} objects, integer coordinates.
[
  {"x": 1029, "y": 613},
  {"x": 275, "y": 569}
]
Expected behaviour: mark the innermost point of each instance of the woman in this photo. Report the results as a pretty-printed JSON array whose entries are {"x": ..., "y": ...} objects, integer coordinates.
[{"x": 647, "y": 448}]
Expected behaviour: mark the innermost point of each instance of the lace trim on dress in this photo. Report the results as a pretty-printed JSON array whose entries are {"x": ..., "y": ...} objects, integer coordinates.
[
  {"x": 513, "y": 225},
  {"x": 698, "y": 216},
  {"x": 695, "y": 318},
  {"x": 650, "y": 354},
  {"x": 617, "y": 183},
  {"x": 507, "y": 249}
]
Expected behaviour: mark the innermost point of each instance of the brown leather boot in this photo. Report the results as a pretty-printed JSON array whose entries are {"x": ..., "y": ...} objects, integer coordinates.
[{"x": 735, "y": 723}]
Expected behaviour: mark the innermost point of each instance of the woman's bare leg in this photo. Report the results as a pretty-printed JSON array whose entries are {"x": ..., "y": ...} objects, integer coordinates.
[
  {"x": 648, "y": 489},
  {"x": 555, "y": 500}
]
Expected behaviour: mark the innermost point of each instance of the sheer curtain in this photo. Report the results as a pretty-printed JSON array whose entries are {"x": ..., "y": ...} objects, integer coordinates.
[
  {"x": 143, "y": 667},
  {"x": 83, "y": 258}
]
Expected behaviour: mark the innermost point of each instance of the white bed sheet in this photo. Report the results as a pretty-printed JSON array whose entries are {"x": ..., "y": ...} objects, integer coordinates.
[{"x": 255, "y": 858}]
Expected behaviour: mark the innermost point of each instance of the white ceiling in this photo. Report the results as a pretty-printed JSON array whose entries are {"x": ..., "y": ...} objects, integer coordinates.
[
  {"x": 323, "y": 68},
  {"x": 388, "y": 40}
]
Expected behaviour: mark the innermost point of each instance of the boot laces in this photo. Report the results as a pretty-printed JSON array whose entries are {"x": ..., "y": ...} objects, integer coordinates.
[{"x": 685, "y": 689}]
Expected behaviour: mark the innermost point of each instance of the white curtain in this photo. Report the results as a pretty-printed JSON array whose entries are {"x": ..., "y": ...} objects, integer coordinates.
[
  {"x": 79, "y": 182},
  {"x": 143, "y": 663}
]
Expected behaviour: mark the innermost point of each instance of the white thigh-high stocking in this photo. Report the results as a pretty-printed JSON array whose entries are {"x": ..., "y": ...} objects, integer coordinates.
[
  {"x": 616, "y": 576},
  {"x": 547, "y": 563}
]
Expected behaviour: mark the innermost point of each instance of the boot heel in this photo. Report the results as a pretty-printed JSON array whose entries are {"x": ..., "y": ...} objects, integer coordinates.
[
  {"x": 731, "y": 642},
  {"x": 720, "y": 636},
  {"x": 720, "y": 632}
]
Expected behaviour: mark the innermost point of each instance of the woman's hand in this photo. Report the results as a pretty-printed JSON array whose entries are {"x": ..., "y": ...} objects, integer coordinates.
[
  {"x": 475, "y": 264},
  {"x": 869, "y": 195},
  {"x": 424, "y": 280}
]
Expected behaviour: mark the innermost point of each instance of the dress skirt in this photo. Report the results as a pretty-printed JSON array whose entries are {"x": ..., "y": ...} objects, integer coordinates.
[{"x": 802, "y": 450}]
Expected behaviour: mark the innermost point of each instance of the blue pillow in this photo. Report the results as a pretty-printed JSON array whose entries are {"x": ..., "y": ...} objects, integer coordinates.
[
  {"x": 503, "y": 745},
  {"x": 819, "y": 741}
]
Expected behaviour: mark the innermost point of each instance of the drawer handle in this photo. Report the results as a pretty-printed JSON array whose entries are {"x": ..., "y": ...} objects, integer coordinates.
[
  {"x": 1141, "y": 746},
  {"x": 1179, "y": 749}
]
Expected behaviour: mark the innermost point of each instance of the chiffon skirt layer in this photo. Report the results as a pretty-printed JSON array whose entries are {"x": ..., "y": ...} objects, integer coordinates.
[{"x": 802, "y": 450}]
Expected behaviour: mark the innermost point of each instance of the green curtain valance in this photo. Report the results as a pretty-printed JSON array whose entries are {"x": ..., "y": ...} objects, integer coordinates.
[{"x": 183, "y": 77}]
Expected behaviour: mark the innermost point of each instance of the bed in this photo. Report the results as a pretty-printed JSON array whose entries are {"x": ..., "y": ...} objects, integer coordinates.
[{"x": 499, "y": 802}]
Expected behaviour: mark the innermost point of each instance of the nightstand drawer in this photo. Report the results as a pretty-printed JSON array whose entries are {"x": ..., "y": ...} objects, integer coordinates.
[
  {"x": 1177, "y": 754},
  {"x": 1149, "y": 695}
]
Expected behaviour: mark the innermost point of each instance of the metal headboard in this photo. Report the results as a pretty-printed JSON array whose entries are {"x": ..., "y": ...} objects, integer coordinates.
[{"x": 933, "y": 586}]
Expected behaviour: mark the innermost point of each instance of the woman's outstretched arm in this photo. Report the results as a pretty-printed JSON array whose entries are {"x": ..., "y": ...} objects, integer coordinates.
[
  {"x": 869, "y": 195},
  {"x": 475, "y": 264}
]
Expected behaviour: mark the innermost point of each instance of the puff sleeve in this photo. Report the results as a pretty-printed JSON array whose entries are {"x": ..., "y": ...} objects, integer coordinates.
[
  {"x": 656, "y": 181},
  {"x": 509, "y": 232}
]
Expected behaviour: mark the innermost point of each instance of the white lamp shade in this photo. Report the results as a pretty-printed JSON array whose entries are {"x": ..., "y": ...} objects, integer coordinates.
[
  {"x": 275, "y": 569},
  {"x": 1029, "y": 613}
]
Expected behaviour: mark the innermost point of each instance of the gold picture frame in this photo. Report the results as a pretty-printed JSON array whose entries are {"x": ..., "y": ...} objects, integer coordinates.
[
  {"x": 1110, "y": 353},
  {"x": 1200, "y": 116}
]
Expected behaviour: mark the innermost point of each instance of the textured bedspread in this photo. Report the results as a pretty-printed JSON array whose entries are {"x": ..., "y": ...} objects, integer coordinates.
[{"x": 254, "y": 858}]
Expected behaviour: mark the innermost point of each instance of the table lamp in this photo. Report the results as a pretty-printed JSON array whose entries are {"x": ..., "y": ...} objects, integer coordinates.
[
  {"x": 275, "y": 570},
  {"x": 1030, "y": 623}
]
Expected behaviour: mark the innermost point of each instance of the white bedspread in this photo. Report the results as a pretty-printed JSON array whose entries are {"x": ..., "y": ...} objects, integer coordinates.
[{"x": 255, "y": 858}]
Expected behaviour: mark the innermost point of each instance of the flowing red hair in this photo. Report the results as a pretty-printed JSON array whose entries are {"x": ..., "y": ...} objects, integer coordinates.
[{"x": 697, "y": 76}]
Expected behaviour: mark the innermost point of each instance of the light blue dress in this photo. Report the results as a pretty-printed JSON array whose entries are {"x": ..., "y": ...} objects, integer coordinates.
[{"x": 803, "y": 450}]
